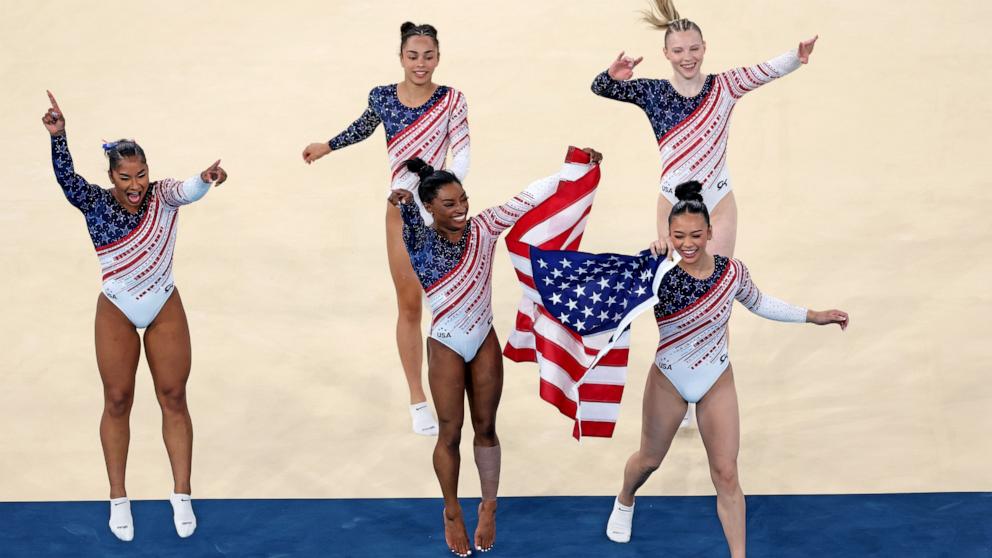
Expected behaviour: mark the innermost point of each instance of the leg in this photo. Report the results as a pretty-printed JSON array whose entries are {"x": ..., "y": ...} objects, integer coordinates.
[
  {"x": 719, "y": 425},
  {"x": 723, "y": 217},
  {"x": 408, "y": 301},
  {"x": 484, "y": 391},
  {"x": 662, "y": 412},
  {"x": 446, "y": 374},
  {"x": 117, "y": 350},
  {"x": 167, "y": 348}
]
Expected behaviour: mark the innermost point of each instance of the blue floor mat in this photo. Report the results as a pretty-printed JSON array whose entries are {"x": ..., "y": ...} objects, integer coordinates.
[{"x": 843, "y": 526}]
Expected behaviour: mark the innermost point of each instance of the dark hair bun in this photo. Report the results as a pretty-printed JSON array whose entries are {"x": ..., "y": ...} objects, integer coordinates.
[
  {"x": 407, "y": 26},
  {"x": 689, "y": 191},
  {"x": 417, "y": 165}
]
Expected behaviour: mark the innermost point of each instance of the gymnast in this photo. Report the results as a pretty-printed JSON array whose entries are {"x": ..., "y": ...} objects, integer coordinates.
[
  {"x": 692, "y": 364},
  {"x": 453, "y": 259},
  {"x": 133, "y": 228},
  {"x": 425, "y": 120}
]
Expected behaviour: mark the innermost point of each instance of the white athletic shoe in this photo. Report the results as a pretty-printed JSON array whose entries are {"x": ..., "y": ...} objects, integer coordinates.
[
  {"x": 182, "y": 514},
  {"x": 423, "y": 421},
  {"x": 121, "y": 523},
  {"x": 619, "y": 526},
  {"x": 687, "y": 419}
]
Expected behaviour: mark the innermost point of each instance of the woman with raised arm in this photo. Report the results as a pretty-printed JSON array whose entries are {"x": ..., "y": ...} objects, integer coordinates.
[
  {"x": 690, "y": 115},
  {"x": 426, "y": 120},
  {"x": 692, "y": 364},
  {"x": 453, "y": 261},
  {"x": 133, "y": 228}
]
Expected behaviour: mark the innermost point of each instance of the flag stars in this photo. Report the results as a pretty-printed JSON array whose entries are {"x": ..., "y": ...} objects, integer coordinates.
[
  {"x": 587, "y": 312},
  {"x": 572, "y": 305},
  {"x": 579, "y": 290},
  {"x": 563, "y": 318},
  {"x": 604, "y": 315},
  {"x": 548, "y": 280},
  {"x": 542, "y": 263},
  {"x": 556, "y": 298},
  {"x": 640, "y": 290},
  {"x": 604, "y": 284},
  {"x": 611, "y": 301},
  {"x": 580, "y": 325},
  {"x": 566, "y": 263},
  {"x": 596, "y": 298},
  {"x": 556, "y": 273}
]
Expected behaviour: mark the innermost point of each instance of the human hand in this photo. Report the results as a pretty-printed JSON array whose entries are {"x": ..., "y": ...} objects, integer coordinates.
[
  {"x": 806, "y": 48},
  {"x": 315, "y": 151},
  {"x": 827, "y": 317},
  {"x": 53, "y": 119},
  {"x": 594, "y": 156},
  {"x": 662, "y": 247},
  {"x": 214, "y": 174},
  {"x": 397, "y": 197},
  {"x": 622, "y": 68}
]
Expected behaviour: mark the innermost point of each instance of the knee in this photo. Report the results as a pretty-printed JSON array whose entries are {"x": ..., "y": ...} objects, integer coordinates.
[
  {"x": 724, "y": 476},
  {"x": 172, "y": 399},
  {"x": 485, "y": 431},
  {"x": 449, "y": 438},
  {"x": 649, "y": 463},
  {"x": 117, "y": 402}
]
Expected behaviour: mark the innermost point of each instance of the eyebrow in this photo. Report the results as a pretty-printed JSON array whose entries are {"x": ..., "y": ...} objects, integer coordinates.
[{"x": 418, "y": 52}]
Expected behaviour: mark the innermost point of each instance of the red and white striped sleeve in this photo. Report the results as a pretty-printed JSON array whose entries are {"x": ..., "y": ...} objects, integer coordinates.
[{"x": 742, "y": 80}]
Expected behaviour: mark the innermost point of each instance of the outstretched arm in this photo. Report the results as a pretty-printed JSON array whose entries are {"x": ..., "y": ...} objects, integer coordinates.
[
  {"x": 502, "y": 217},
  {"x": 77, "y": 190},
  {"x": 359, "y": 130},
  {"x": 616, "y": 83},
  {"x": 771, "y": 308},
  {"x": 176, "y": 193},
  {"x": 743, "y": 80}
]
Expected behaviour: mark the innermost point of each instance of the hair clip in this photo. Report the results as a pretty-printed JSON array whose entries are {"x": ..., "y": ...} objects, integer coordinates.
[{"x": 108, "y": 146}]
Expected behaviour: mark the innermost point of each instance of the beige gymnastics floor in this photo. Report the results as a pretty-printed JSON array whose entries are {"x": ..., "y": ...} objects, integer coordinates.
[{"x": 863, "y": 183}]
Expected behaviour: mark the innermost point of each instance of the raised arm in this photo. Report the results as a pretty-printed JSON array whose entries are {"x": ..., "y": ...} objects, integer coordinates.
[
  {"x": 414, "y": 228},
  {"x": 502, "y": 217},
  {"x": 459, "y": 138},
  {"x": 359, "y": 130},
  {"x": 616, "y": 83},
  {"x": 743, "y": 80},
  {"x": 771, "y": 308},
  {"x": 176, "y": 193},
  {"x": 77, "y": 190}
]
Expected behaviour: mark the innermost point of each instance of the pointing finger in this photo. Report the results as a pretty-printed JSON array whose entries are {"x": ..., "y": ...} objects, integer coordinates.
[{"x": 619, "y": 58}]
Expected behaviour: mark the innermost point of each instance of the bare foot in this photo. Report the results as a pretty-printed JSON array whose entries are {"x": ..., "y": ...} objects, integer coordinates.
[
  {"x": 485, "y": 532},
  {"x": 455, "y": 534}
]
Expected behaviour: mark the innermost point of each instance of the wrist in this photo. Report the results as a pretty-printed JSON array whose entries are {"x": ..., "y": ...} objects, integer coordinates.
[{"x": 811, "y": 316}]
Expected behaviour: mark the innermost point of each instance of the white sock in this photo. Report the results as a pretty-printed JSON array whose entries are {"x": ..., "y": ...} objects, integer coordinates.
[
  {"x": 619, "y": 526},
  {"x": 423, "y": 420},
  {"x": 121, "y": 523},
  {"x": 182, "y": 514}
]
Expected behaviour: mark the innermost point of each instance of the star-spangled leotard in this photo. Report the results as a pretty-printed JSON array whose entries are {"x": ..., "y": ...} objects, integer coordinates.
[
  {"x": 135, "y": 249},
  {"x": 457, "y": 277},
  {"x": 427, "y": 132},
  {"x": 692, "y": 131},
  {"x": 692, "y": 316}
]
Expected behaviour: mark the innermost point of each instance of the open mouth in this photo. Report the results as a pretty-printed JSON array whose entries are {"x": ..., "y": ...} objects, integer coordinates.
[
  {"x": 133, "y": 197},
  {"x": 460, "y": 218},
  {"x": 688, "y": 66},
  {"x": 420, "y": 74},
  {"x": 688, "y": 253}
]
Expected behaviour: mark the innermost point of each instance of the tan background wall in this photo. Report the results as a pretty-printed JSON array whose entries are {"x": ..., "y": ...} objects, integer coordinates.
[{"x": 862, "y": 180}]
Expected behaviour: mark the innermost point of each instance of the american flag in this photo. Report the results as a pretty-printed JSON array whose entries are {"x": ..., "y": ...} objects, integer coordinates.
[{"x": 574, "y": 316}]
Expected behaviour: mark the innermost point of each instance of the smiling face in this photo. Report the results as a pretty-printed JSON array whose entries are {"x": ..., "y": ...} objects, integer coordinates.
[
  {"x": 689, "y": 233},
  {"x": 130, "y": 179},
  {"x": 419, "y": 56},
  {"x": 449, "y": 208},
  {"x": 685, "y": 50}
]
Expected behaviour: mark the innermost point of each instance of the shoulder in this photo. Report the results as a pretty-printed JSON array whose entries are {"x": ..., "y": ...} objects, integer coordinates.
[
  {"x": 380, "y": 92},
  {"x": 733, "y": 265}
]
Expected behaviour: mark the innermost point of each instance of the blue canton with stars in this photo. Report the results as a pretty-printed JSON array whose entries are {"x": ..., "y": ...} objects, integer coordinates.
[
  {"x": 384, "y": 107},
  {"x": 592, "y": 293},
  {"x": 663, "y": 105},
  {"x": 106, "y": 219},
  {"x": 678, "y": 289}
]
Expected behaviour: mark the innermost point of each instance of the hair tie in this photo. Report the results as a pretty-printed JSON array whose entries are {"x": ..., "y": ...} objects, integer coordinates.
[
  {"x": 108, "y": 146},
  {"x": 425, "y": 171}
]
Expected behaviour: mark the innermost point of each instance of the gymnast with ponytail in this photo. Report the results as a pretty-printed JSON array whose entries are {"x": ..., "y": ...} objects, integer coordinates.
[
  {"x": 133, "y": 227},
  {"x": 425, "y": 120},
  {"x": 453, "y": 260},
  {"x": 692, "y": 364},
  {"x": 690, "y": 115}
]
